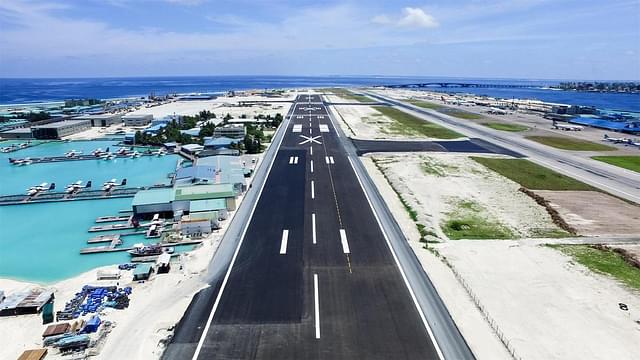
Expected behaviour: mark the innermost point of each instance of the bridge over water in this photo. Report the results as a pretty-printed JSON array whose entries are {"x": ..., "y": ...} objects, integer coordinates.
[{"x": 462, "y": 85}]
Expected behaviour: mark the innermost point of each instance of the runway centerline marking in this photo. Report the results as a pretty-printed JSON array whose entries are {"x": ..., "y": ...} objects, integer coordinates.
[
  {"x": 313, "y": 226},
  {"x": 313, "y": 191},
  {"x": 311, "y": 150},
  {"x": 283, "y": 242},
  {"x": 316, "y": 303},
  {"x": 343, "y": 240},
  {"x": 312, "y": 166}
]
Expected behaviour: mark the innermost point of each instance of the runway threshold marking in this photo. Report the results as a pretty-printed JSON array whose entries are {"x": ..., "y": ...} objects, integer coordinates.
[
  {"x": 313, "y": 227},
  {"x": 324, "y": 128},
  {"x": 313, "y": 191},
  {"x": 297, "y": 128},
  {"x": 397, "y": 261},
  {"x": 316, "y": 305},
  {"x": 343, "y": 240},
  {"x": 283, "y": 242}
]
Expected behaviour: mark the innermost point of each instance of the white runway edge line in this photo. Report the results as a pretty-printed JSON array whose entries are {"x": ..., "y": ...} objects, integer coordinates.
[
  {"x": 283, "y": 242},
  {"x": 235, "y": 254},
  {"x": 313, "y": 227},
  {"x": 316, "y": 303},
  {"x": 395, "y": 258},
  {"x": 343, "y": 240},
  {"x": 313, "y": 191}
]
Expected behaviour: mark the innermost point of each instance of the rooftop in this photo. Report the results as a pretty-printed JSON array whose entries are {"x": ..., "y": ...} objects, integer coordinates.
[
  {"x": 207, "y": 205},
  {"x": 61, "y": 124},
  {"x": 201, "y": 192},
  {"x": 153, "y": 196}
]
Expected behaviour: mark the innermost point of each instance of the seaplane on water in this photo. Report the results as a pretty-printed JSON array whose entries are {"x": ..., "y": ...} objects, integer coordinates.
[
  {"x": 99, "y": 152},
  {"x": 112, "y": 184},
  {"x": 34, "y": 190},
  {"x": 122, "y": 151},
  {"x": 566, "y": 127},
  {"x": 615, "y": 140},
  {"x": 160, "y": 152},
  {"x": 108, "y": 156},
  {"x": 76, "y": 186},
  {"x": 72, "y": 153},
  {"x": 21, "y": 162},
  {"x": 135, "y": 154}
]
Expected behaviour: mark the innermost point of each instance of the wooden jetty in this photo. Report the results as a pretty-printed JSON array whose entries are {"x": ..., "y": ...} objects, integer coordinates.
[
  {"x": 103, "y": 238},
  {"x": 113, "y": 218},
  {"x": 113, "y": 248}
]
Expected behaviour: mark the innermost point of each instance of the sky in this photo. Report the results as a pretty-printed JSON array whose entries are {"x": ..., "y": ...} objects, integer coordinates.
[{"x": 523, "y": 39}]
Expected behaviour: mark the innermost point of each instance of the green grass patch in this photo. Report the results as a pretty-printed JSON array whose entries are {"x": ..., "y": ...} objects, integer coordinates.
[
  {"x": 410, "y": 125},
  {"x": 603, "y": 261},
  {"x": 506, "y": 127},
  {"x": 446, "y": 110},
  {"x": 628, "y": 162},
  {"x": 567, "y": 143},
  {"x": 531, "y": 175},
  {"x": 468, "y": 221},
  {"x": 349, "y": 95}
]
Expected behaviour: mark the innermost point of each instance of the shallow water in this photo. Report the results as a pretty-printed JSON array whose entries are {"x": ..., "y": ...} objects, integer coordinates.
[{"x": 41, "y": 242}]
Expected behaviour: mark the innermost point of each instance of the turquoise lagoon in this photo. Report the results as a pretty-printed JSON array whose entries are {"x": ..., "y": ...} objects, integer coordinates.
[{"x": 41, "y": 242}]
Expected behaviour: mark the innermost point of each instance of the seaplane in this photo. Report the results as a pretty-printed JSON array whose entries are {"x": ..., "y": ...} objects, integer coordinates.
[
  {"x": 160, "y": 152},
  {"x": 566, "y": 127},
  {"x": 99, "y": 152},
  {"x": 614, "y": 140},
  {"x": 72, "y": 153},
  {"x": 135, "y": 154},
  {"x": 21, "y": 162},
  {"x": 34, "y": 190},
  {"x": 112, "y": 184},
  {"x": 122, "y": 151},
  {"x": 23, "y": 145},
  {"x": 76, "y": 186}
]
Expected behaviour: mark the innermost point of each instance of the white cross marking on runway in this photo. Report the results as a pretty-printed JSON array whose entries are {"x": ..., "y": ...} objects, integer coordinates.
[{"x": 310, "y": 139}]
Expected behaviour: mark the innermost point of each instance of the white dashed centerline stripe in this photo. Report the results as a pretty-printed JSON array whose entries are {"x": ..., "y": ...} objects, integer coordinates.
[
  {"x": 311, "y": 166},
  {"x": 311, "y": 150},
  {"x": 316, "y": 301},
  {"x": 313, "y": 227},
  {"x": 283, "y": 243},
  {"x": 313, "y": 191},
  {"x": 343, "y": 239}
]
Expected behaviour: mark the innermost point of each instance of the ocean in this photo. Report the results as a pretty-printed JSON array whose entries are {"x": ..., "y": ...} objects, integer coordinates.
[{"x": 24, "y": 91}]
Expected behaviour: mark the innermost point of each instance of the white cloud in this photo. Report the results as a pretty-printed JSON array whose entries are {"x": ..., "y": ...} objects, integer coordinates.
[{"x": 411, "y": 18}]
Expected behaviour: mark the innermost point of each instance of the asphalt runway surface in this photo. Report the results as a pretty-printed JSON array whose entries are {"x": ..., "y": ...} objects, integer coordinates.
[
  {"x": 464, "y": 146},
  {"x": 312, "y": 277}
]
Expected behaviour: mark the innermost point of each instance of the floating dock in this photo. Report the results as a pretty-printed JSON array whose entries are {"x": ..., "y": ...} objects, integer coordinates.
[
  {"x": 54, "y": 159},
  {"x": 104, "y": 219},
  {"x": 150, "y": 258},
  {"x": 103, "y": 238},
  {"x": 127, "y": 226},
  {"x": 114, "y": 248}
]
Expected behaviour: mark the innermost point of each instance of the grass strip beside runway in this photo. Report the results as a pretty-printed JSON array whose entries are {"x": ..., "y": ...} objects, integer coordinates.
[
  {"x": 628, "y": 162},
  {"x": 410, "y": 125},
  {"x": 506, "y": 127},
  {"x": 567, "y": 143},
  {"x": 603, "y": 261},
  {"x": 532, "y": 176},
  {"x": 461, "y": 114},
  {"x": 347, "y": 94}
]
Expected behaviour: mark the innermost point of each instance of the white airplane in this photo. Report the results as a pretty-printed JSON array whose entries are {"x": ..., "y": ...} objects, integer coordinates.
[
  {"x": 615, "y": 140},
  {"x": 160, "y": 152},
  {"x": 635, "y": 142},
  {"x": 72, "y": 153},
  {"x": 108, "y": 156},
  {"x": 135, "y": 154},
  {"x": 76, "y": 186},
  {"x": 122, "y": 151},
  {"x": 111, "y": 184},
  {"x": 566, "y": 127},
  {"x": 497, "y": 111},
  {"x": 99, "y": 152},
  {"x": 40, "y": 188},
  {"x": 21, "y": 162}
]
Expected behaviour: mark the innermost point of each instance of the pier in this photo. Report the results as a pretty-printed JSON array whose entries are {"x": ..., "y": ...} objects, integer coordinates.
[
  {"x": 104, "y": 219},
  {"x": 53, "y": 159},
  {"x": 114, "y": 248},
  {"x": 461, "y": 85},
  {"x": 150, "y": 258}
]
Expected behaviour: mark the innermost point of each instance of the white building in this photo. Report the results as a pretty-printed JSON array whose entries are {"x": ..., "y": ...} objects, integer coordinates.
[
  {"x": 137, "y": 119},
  {"x": 233, "y": 131}
]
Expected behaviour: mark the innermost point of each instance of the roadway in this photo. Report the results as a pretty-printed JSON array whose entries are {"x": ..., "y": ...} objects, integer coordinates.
[
  {"x": 617, "y": 181},
  {"x": 312, "y": 275}
]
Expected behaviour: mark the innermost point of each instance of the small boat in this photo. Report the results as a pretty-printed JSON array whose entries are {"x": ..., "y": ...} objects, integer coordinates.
[{"x": 147, "y": 250}]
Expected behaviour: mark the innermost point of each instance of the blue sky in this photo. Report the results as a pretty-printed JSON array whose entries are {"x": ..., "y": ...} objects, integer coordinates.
[{"x": 534, "y": 39}]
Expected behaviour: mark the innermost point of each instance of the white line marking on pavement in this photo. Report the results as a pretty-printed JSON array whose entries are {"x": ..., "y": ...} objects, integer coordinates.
[
  {"x": 297, "y": 128},
  {"x": 343, "y": 239},
  {"x": 329, "y": 159},
  {"x": 395, "y": 257},
  {"x": 313, "y": 227},
  {"x": 313, "y": 191},
  {"x": 290, "y": 160},
  {"x": 310, "y": 130},
  {"x": 235, "y": 254},
  {"x": 311, "y": 150},
  {"x": 324, "y": 128},
  {"x": 283, "y": 242},
  {"x": 295, "y": 160},
  {"x": 312, "y": 166},
  {"x": 316, "y": 301}
]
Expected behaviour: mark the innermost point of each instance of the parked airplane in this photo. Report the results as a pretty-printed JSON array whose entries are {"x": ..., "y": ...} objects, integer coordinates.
[
  {"x": 21, "y": 162},
  {"x": 99, "y": 152},
  {"x": 40, "y": 188},
  {"x": 76, "y": 186},
  {"x": 497, "y": 111},
  {"x": 566, "y": 127},
  {"x": 112, "y": 184},
  {"x": 615, "y": 140},
  {"x": 635, "y": 142},
  {"x": 72, "y": 153}
]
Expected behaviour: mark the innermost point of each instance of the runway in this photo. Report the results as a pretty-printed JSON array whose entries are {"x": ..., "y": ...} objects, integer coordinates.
[
  {"x": 478, "y": 146},
  {"x": 312, "y": 275}
]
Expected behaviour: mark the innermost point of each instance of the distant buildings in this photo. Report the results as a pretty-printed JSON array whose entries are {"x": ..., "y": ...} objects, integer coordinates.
[
  {"x": 137, "y": 119},
  {"x": 233, "y": 131},
  {"x": 60, "y": 129},
  {"x": 220, "y": 143},
  {"x": 101, "y": 120}
]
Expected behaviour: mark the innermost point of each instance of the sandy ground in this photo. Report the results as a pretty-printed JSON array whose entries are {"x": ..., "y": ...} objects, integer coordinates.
[
  {"x": 595, "y": 214},
  {"x": 453, "y": 178},
  {"x": 220, "y": 106},
  {"x": 475, "y": 329},
  {"x": 156, "y": 306},
  {"x": 536, "y": 123},
  {"x": 547, "y": 306}
]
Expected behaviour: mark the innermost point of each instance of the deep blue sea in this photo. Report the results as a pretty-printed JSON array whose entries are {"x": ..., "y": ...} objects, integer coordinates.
[{"x": 19, "y": 91}]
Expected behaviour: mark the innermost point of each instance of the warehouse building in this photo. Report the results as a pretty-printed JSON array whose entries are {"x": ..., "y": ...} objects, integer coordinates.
[
  {"x": 137, "y": 119},
  {"x": 173, "y": 203},
  {"x": 220, "y": 143},
  {"x": 19, "y": 133},
  {"x": 101, "y": 120},
  {"x": 60, "y": 129}
]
